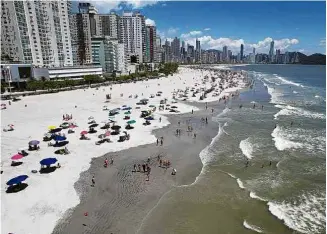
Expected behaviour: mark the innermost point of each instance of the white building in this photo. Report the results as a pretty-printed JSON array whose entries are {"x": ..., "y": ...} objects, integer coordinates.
[
  {"x": 36, "y": 32},
  {"x": 132, "y": 34}
]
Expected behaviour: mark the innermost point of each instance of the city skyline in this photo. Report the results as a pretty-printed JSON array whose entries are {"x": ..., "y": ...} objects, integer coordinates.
[{"x": 292, "y": 25}]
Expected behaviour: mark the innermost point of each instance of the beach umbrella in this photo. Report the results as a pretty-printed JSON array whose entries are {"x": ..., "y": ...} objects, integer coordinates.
[
  {"x": 90, "y": 118},
  {"x": 55, "y": 130},
  {"x": 144, "y": 100},
  {"x": 83, "y": 132},
  {"x": 101, "y": 136},
  {"x": 48, "y": 161},
  {"x": 115, "y": 127},
  {"x": 131, "y": 122},
  {"x": 174, "y": 107},
  {"x": 59, "y": 138},
  {"x": 93, "y": 125},
  {"x": 51, "y": 127},
  {"x": 17, "y": 180},
  {"x": 127, "y": 108},
  {"x": 34, "y": 142},
  {"x": 123, "y": 105},
  {"x": 127, "y": 113},
  {"x": 152, "y": 106},
  {"x": 148, "y": 118},
  {"x": 72, "y": 126},
  {"x": 17, "y": 157},
  {"x": 107, "y": 133}
]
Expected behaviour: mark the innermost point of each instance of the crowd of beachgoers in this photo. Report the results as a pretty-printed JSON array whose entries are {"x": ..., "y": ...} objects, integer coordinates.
[{"x": 48, "y": 140}]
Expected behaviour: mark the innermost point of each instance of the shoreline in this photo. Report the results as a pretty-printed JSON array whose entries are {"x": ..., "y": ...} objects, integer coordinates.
[{"x": 147, "y": 195}]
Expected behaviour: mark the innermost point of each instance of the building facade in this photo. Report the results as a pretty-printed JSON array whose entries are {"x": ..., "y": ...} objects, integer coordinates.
[
  {"x": 36, "y": 32},
  {"x": 150, "y": 42}
]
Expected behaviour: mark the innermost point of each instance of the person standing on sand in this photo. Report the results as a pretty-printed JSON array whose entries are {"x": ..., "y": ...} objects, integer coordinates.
[
  {"x": 143, "y": 167},
  {"x": 206, "y": 120},
  {"x": 157, "y": 141},
  {"x": 161, "y": 141},
  {"x": 134, "y": 167},
  {"x": 139, "y": 166},
  {"x": 160, "y": 119},
  {"x": 93, "y": 182},
  {"x": 194, "y": 135},
  {"x": 148, "y": 173},
  {"x": 212, "y": 110},
  {"x": 192, "y": 111},
  {"x": 160, "y": 162}
]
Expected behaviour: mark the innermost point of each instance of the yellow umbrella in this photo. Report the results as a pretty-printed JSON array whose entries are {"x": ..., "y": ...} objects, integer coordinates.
[{"x": 52, "y": 127}]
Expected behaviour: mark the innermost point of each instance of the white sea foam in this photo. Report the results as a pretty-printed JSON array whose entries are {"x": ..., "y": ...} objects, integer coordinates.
[
  {"x": 289, "y": 82},
  {"x": 247, "y": 148},
  {"x": 252, "y": 227},
  {"x": 240, "y": 183},
  {"x": 305, "y": 214},
  {"x": 255, "y": 196},
  {"x": 294, "y": 91},
  {"x": 231, "y": 175},
  {"x": 281, "y": 141},
  {"x": 291, "y": 110}
]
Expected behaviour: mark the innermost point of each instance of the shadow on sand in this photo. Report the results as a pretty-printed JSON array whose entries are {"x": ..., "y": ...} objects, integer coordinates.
[
  {"x": 47, "y": 170},
  {"x": 16, "y": 188}
]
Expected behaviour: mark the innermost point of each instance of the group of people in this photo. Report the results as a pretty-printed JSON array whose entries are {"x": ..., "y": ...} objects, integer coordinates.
[
  {"x": 145, "y": 168},
  {"x": 161, "y": 141},
  {"x": 67, "y": 117}
]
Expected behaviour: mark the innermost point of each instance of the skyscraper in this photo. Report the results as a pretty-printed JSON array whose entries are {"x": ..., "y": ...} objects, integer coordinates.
[
  {"x": 132, "y": 34},
  {"x": 242, "y": 52},
  {"x": 175, "y": 46},
  {"x": 36, "y": 32},
  {"x": 225, "y": 55},
  {"x": 271, "y": 52},
  {"x": 150, "y": 41},
  {"x": 197, "y": 51}
]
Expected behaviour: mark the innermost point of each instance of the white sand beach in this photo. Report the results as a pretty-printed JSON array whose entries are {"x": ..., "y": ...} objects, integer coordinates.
[{"x": 48, "y": 196}]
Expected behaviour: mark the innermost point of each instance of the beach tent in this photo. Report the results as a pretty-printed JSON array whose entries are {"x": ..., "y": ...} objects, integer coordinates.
[
  {"x": 48, "y": 161},
  {"x": 17, "y": 180},
  {"x": 34, "y": 142},
  {"x": 17, "y": 157},
  {"x": 59, "y": 138},
  {"x": 93, "y": 125},
  {"x": 131, "y": 122}
]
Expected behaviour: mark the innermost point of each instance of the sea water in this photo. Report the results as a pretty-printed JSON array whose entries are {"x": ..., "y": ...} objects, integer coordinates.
[{"x": 265, "y": 172}]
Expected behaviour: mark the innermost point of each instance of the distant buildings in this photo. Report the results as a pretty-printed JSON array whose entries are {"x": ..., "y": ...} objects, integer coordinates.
[
  {"x": 198, "y": 51},
  {"x": 242, "y": 53}
]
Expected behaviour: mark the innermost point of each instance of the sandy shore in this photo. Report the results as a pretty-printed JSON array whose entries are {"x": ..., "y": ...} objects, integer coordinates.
[{"x": 121, "y": 199}]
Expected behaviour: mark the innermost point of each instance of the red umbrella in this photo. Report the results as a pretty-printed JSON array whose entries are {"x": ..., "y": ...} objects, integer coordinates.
[
  {"x": 73, "y": 126},
  {"x": 107, "y": 133},
  {"x": 83, "y": 132},
  {"x": 17, "y": 157}
]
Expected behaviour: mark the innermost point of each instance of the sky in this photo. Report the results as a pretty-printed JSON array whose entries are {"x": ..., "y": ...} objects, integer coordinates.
[{"x": 294, "y": 26}]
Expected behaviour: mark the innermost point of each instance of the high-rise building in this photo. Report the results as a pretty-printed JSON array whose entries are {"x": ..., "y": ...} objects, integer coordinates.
[
  {"x": 190, "y": 53},
  {"x": 158, "y": 54},
  {"x": 278, "y": 57},
  {"x": 271, "y": 52},
  {"x": 108, "y": 25},
  {"x": 150, "y": 42},
  {"x": 132, "y": 34},
  {"x": 198, "y": 51},
  {"x": 36, "y": 32},
  {"x": 229, "y": 56},
  {"x": 81, "y": 38},
  {"x": 109, "y": 53},
  {"x": 175, "y": 47},
  {"x": 225, "y": 54},
  {"x": 242, "y": 52}
]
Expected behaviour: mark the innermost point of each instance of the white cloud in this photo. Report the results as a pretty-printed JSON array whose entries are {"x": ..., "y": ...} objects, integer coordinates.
[
  {"x": 150, "y": 22},
  {"x": 207, "y": 29},
  {"x": 106, "y": 6},
  {"x": 323, "y": 42},
  {"x": 282, "y": 44},
  {"x": 172, "y": 30},
  {"x": 190, "y": 34}
]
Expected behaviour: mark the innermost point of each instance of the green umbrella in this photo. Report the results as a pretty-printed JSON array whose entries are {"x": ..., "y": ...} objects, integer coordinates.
[
  {"x": 111, "y": 117},
  {"x": 131, "y": 122},
  {"x": 127, "y": 113}
]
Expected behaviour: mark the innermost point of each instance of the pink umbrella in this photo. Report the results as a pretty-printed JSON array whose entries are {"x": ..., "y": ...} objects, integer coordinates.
[
  {"x": 3, "y": 104},
  {"x": 107, "y": 133},
  {"x": 17, "y": 157},
  {"x": 83, "y": 132},
  {"x": 72, "y": 126}
]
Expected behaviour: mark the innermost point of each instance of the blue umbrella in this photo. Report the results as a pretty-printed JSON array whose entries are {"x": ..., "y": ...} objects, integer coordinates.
[
  {"x": 34, "y": 142},
  {"x": 48, "y": 161},
  {"x": 127, "y": 108},
  {"x": 17, "y": 180},
  {"x": 59, "y": 138}
]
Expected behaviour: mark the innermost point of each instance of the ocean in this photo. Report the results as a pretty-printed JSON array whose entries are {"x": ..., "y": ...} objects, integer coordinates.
[{"x": 265, "y": 170}]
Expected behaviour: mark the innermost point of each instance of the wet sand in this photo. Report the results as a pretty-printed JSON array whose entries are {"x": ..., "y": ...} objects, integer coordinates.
[{"x": 121, "y": 198}]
